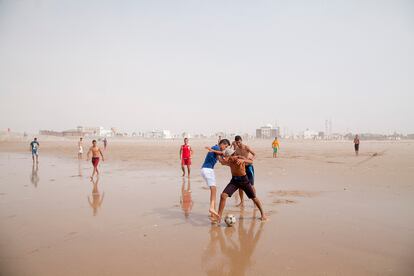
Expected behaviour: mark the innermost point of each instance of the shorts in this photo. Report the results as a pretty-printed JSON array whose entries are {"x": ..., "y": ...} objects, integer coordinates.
[
  {"x": 80, "y": 150},
  {"x": 35, "y": 152},
  {"x": 95, "y": 161},
  {"x": 356, "y": 147},
  {"x": 209, "y": 176},
  {"x": 186, "y": 161},
  {"x": 274, "y": 150},
  {"x": 250, "y": 173},
  {"x": 240, "y": 182}
]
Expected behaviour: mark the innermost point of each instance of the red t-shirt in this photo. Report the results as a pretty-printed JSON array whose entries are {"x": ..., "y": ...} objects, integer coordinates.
[{"x": 185, "y": 151}]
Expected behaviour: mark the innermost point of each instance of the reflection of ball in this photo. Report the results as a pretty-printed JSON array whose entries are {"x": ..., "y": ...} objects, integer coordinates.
[{"x": 230, "y": 220}]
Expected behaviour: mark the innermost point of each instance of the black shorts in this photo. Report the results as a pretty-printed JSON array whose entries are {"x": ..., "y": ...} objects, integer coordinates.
[
  {"x": 356, "y": 147},
  {"x": 240, "y": 182}
]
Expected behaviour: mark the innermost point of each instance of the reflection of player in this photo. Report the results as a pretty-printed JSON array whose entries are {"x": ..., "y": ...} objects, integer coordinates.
[
  {"x": 34, "y": 178},
  {"x": 95, "y": 200},
  {"x": 186, "y": 201},
  {"x": 238, "y": 252}
]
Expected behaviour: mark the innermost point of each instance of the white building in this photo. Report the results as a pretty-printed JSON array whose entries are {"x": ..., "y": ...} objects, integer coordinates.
[{"x": 310, "y": 134}]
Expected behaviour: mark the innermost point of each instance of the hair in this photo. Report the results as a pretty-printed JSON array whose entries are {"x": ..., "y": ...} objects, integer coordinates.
[
  {"x": 35, "y": 138},
  {"x": 238, "y": 138},
  {"x": 93, "y": 141},
  {"x": 224, "y": 141}
]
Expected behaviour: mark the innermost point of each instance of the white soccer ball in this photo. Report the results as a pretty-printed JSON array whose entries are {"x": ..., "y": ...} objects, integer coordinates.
[{"x": 230, "y": 220}]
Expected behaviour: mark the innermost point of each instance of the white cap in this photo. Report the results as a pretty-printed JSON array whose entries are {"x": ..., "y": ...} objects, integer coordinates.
[{"x": 229, "y": 151}]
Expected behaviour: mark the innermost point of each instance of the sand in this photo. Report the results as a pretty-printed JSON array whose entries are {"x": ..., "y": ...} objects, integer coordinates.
[{"x": 331, "y": 213}]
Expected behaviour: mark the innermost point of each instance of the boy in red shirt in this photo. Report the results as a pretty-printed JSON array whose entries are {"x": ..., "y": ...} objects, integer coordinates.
[{"x": 185, "y": 155}]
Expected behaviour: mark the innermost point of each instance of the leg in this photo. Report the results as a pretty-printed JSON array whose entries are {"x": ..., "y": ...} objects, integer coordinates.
[
  {"x": 189, "y": 170},
  {"x": 212, "y": 210},
  {"x": 241, "y": 194},
  {"x": 223, "y": 199},
  {"x": 259, "y": 205},
  {"x": 182, "y": 168}
]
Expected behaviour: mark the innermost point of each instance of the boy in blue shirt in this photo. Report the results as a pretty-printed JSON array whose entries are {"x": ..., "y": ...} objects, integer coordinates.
[{"x": 207, "y": 171}]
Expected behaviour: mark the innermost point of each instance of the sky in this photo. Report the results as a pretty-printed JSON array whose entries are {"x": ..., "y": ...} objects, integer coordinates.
[{"x": 206, "y": 66}]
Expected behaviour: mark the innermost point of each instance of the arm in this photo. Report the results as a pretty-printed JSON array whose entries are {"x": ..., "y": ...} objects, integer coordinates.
[
  {"x": 181, "y": 151},
  {"x": 222, "y": 161},
  {"x": 214, "y": 151},
  {"x": 191, "y": 151},
  {"x": 103, "y": 159},
  {"x": 246, "y": 161},
  {"x": 88, "y": 154},
  {"x": 251, "y": 152}
]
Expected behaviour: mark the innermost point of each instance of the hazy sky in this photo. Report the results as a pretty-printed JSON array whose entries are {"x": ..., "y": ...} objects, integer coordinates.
[{"x": 203, "y": 66}]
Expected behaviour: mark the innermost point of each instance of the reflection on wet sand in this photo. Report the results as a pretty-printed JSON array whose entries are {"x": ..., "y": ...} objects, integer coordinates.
[
  {"x": 95, "y": 200},
  {"x": 34, "y": 177},
  {"x": 227, "y": 254},
  {"x": 186, "y": 200},
  {"x": 80, "y": 168}
]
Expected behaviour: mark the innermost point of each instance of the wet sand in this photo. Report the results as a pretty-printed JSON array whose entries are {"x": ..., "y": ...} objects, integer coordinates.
[{"x": 331, "y": 213}]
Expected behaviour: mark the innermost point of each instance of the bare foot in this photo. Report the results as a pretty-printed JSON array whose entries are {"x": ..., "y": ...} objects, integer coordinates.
[
  {"x": 264, "y": 218},
  {"x": 213, "y": 213}
]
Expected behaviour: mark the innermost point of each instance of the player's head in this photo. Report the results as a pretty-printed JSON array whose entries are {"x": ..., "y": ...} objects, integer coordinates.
[
  {"x": 186, "y": 140},
  {"x": 35, "y": 139},
  {"x": 238, "y": 140},
  {"x": 80, "y": 139},
  {"x": 223, "y": 144},
  {"x": 94, "y": 142},
  {"x": 229, "y": 152}
]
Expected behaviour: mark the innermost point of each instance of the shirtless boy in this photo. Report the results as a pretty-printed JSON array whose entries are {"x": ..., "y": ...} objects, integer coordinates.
[
  {"x": 186, "y": 153},
  {"x": 246, "y": 152},
  {"x": 96, "y": 151},
  {"x": 239, "y": 180}
]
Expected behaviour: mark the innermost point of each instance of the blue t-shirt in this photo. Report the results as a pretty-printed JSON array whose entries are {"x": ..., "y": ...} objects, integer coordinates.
[{"x": 211, "y": 158}]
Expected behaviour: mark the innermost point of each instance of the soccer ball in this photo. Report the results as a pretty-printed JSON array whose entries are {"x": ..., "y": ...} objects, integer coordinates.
[{"x": 230, "y": 220}]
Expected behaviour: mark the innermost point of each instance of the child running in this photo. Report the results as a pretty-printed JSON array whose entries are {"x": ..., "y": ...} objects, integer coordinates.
[
  {"x": 207, "y": 171},
  {"x": 96, "y": 151},
  {"x": 80, "y": 148},
  {"x": 186, "y": 153},
  {"x": 239, "y": 180}
]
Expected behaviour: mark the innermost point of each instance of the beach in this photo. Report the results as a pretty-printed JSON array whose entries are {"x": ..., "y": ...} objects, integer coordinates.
[{"x": 331, "y": 212}]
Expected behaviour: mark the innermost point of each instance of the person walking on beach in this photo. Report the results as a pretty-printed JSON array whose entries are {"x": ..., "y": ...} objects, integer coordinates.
[
  {"x": 105, "y": 141},
  {"x": 96, "y": 152},
  {"x": 246, "y": 152},
  {"x": 34, "y": 147},
  {"x": 186, "y": 153},
  {"x": 207, "y": 170},
  {"x": 80, "y": 148},
  {"x": 275, "y": 146},
  {"x": 356, "y": 144},
  {"x": 239, "y": 180}
]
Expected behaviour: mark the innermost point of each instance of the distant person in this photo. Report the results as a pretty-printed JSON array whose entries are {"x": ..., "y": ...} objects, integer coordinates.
[
  {"x": 275, "y": 146},
  {"x": 207, "y": 170},
  {"x": 246, "y": 152},
  {"x": 186, "y": 153},
  {"x": 238, "y": 181},
  {"x": 105, "y": 143},
  {"x": 80, "y": 148},
  {"x": 96, "y": 152},
  {"x": 356, "y": 144},
  {"x": 219, "y": 139},
  {"x": 34, "y": 147}
]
